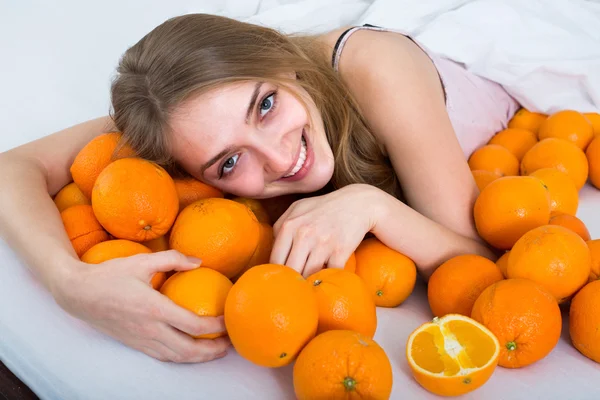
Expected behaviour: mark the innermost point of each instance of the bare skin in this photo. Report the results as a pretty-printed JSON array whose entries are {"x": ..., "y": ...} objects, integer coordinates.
[{"x": 265, "y": 147}]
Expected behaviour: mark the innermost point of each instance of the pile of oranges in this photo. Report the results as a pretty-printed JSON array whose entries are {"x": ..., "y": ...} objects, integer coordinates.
[{"x": 486, "y": 313}]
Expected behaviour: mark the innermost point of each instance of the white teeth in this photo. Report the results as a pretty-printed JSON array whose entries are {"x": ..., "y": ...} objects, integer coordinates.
[{"x": 301, "y": 160}]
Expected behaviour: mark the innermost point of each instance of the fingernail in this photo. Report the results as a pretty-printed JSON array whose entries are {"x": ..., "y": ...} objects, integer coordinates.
[{"x": 194, "y": 260}]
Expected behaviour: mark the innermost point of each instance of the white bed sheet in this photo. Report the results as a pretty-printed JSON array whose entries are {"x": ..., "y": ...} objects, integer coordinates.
[{"x": 57, "y": 58}]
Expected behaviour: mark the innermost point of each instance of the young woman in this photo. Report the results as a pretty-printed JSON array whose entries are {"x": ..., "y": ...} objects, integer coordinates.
[{"x": 368, "y": 118}]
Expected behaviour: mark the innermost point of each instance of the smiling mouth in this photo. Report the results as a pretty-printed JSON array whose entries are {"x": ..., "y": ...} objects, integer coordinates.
[{"x": 301, "y": 159}]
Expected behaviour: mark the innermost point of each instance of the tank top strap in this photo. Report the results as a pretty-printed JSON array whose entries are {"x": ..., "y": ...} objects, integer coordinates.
[{"x": 341, "y": 41}]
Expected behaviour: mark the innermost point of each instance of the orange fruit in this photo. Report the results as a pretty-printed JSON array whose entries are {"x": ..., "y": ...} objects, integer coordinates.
[
  {"x": 351, "y": 263},
  {"x": 94, "y": 157},
  {"x": 517, "y": 141},
  {"x": 203, "y": 291},
  {"x": 559, "y": 154},
  {"x": 262, "y": 254},
  {"x": 584, "y": 320},
  {"x": 83, "y": 229},
  {"x": 502, "y": 263},
  {"x": 554, "y": 257},
  {"x": 222, "y": 233},
  {"x": 564, "y": 196},
  {"x": 568, "y": 125},
  {"x": 524, "y": 119},
  {"x": 593, "y": 156},
  {"x": 594, "y": 119},
  {"x": 523, "y": 316},
  {"x": 135, "y": 199},
  {"x": 390, "y": 276},
  {"x": 161, "y": 243},
  {"x": 342, "y": 364},
  {"x": 570, "y": 222},
  {"x": 190, "y": 190},
  {"x": 484, "y": 178},
  {"x": 344, "y": 302},
  {"x": 494, "y": 158},
  {"x": 455, "y": 285},
  {"x": 68, "y": 196},
  {"x": 509, "y": 207},
  {"x": 594, "y": 246},
  {"x": 271, "y": 313},
  {"x": 256, "y": 207},
  {"x": 452, "y": 355},
  {"x": 119, "y": 248}
]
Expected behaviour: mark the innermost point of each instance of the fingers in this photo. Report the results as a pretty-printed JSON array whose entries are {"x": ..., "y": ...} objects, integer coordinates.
[
  {"x": 188, "y": 322},
  {"x": 181, "y": 348},
  {"x": 164, "y": 261},
  {"x": 315, "y": 262},
  {"x": 281, "y": 247},
  {"x": 338, "y": 259}
]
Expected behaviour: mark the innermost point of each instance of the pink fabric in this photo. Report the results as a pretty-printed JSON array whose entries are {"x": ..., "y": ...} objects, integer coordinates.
[{"x": 478, "y": 108}]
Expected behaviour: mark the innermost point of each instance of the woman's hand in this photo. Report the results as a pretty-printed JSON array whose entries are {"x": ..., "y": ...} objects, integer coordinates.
[
  {"x": 325, "y": 229},
  {"x": 116, "y": 298}
]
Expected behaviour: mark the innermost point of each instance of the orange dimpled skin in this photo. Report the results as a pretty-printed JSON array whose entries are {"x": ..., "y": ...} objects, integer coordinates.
[
  {"x": 502, "y": 263},
  {"x": 517, "y": 141},
  {"x": 94, "y": 157},
  {"x": 222, "y": 233},
  {"x": 523, "y": 316},
  {"x": 69, "y": 196},
  {"x": 509, "y": 207},
  {"x": 256, "y": 207},
  {"x": 559, "y": 154},
  {"x": 594, "y": 246},
  {"x": 494, "y": 158},
  {"x": 83, "y": 229},
  {"x": 455, "y": 285},
  {"x": 263, "y": 250},
  {"x": 554, "y": 257},
  {"x": 593, "y": 156},
  {"x": 525, "y": 119},
  {"x": 568, "y": 125},
  {"x": 190, "y": 190},
  {"x": 594, "y": 119},
  {"x": 344, "y": 302},
  {"x": 203, "y": 291},
  {"x": 584, "y": 320},
  {"x": 564, "y": 196},
  {"x": 570, "y": 222},
  {"x": 342, "y": 365},
  {"x": 351, "y": 263},
  {"x": 271, "y": 313},
  {"x": 484, "y": 178},
  {"x": 389, "y": 275},
  {"x": 135, "y": 199}
]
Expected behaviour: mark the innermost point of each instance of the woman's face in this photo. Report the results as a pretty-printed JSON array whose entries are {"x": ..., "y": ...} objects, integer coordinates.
[{"x": 253, "y": 139}]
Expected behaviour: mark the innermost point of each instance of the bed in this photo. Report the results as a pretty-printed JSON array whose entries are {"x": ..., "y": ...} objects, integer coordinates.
[{"x": 57, "y": 63}]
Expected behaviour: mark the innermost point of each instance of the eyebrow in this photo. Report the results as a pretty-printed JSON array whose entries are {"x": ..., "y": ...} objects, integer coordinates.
[{"x": 229, "y": 149}]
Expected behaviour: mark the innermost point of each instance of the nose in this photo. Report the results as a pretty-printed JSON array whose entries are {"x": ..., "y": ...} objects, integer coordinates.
[{"x": 278, "y": 154}]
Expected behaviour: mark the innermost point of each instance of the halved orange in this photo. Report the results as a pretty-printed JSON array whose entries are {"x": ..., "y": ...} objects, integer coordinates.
[{"x": 452, "y": 355}]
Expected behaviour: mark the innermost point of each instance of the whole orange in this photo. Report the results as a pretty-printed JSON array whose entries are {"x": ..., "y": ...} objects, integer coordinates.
[
  {"x": 342, "y": 364},
  {"x": 271, "y": 313},
  {"x": 68, "y": 196},
  {"x": 594, "y": 246},
  {"x": 494, "y": 158},
  {"x": 570, "y": 222},
  {"x": 509, "y": 207},
  {"x": 593, "y": 156},
  {"x": 390, "y": 276},
  {"x": 525, "y": 119},
  {"x": 190, "y": 190},
  {"x": 584, "y": 320},
  {"x": 94, "y": 157},
  {"x": 484, "y": 178},
  {"x": 517, "y": 141},
  {"x": 222, "y": 233},
  {"x": 262, "y": 254},
  {"x": 502, "y": 263},
  {"x": 256, "y": 207},
  {"x": 554, "y": 257},
  {"x": 203, "y": 291},
  {"x": 83, "y": 229},
  {"x": 559, "y": 154},
  {"x": 344, "y": 302},
  {"x": 457, "y": 283},
  {"x": 135, "y": 199},
  {"x": 568, "y": 125},
  {"x": 594, "y": 119},
  {"x": 523, "y": 316},
  {"x": 119, "y": 248},
  {"x": 564, "y": 196}
]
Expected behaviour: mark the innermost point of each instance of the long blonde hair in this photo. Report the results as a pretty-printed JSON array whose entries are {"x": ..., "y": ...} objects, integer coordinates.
[{"x": 190, "y": 54}]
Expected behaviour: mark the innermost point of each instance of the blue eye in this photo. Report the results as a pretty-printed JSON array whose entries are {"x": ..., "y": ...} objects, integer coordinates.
[
  {"x": 229, "y": 165},
  {"x": 267, "y": 104}
]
